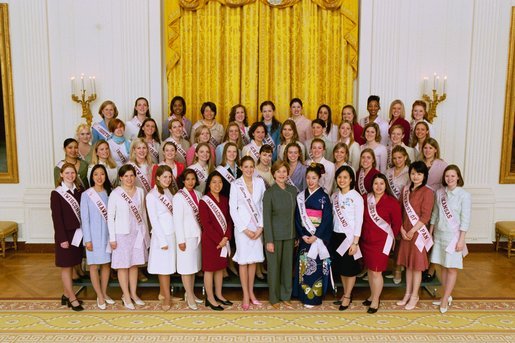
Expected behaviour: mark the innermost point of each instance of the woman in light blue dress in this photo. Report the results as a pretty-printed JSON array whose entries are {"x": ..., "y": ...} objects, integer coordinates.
[{"x": 93, "y": 211}]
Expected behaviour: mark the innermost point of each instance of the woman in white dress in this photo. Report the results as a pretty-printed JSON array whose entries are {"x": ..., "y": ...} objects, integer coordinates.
[
  {"x": 161, "y": 259},
  {"x": 346, "y": 135},
  {"x": 450, "y": 221},
  {"x": 372, "y": 137},
  {"x": 246, "y": 207},
  {"x": 187, "y": 234},
  {"x": 142, "y": 163},
  {"x": 202, "y": 165},
  {"x": 102, "y": 155}
]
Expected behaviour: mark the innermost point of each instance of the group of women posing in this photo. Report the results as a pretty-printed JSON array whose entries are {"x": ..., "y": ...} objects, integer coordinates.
[{"x": 282, "y": 211}]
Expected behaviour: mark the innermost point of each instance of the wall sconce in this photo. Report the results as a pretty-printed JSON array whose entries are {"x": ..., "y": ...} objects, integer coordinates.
[
  {"x": 83, "y": 100},
  {"x": 435, "y": 99}
]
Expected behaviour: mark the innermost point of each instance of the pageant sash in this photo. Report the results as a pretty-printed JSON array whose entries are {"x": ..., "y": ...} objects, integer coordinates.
[
  {"x": 349, "y": 233},
  {"x": 136, "y": 122},
  {"x": 101, "y": 131},
  {"x": 180, "y": 149},
  {"x": 318, "y": 248},
  {"x": 381, "y": 223},
  {"x": 290, "y": 182},
  {"x": 225, "y": 173},
  {"x": 390, "y": 177},
  {"x": 60, "y": 164},
  {"x": 116, "y": 147},
  {"x": 389, "y": 162},
  {"x": 99, "y": 203},
  {"x": 268, "y": 140},
  {"x": 153, "y": 151},
  {"x": 424, "y": 238},
  {"x": 174, "y": 185},
  {"x": 201, "y": 173},
  {"x": 140, "y": 238},
  {"x": 254, "y": 150},
  {"x": 142, "y": 178},
  {"x": 251, "y": 206},
  {"x": 245, "y": 138},
  {"x": 452, "y": 221},
  {"x": 163, "y": 199},
  {"x": 191, "y": 203},
  {"x": 74, "y": 204},
  {"x": 361, "y": 182},
  {"x": 213, "y": 142},
  {"x": 220, "y": 218}
]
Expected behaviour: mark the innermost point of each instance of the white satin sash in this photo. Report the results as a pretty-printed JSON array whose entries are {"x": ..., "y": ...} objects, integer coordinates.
[
  {"x": 220, "y": 218},
  {"x": 349, "y": 233},
  {"x": 251, "y": 206},
  {"x": 361, "y": 182},
  {"x": 453, "y": 223},
  {"x": 101, "y": 131},
  {"x": 225, "y": 173},
  {"x": 381, "y": 223},
  {"x": 318, "y": 247},
  {"x": 424, "y": 238},
  {"x": 99, "y": 203},
  {"x": 142, "y": 178}
]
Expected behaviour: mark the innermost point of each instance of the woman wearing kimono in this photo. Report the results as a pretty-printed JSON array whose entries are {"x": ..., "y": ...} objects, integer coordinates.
[{"x": 314, "y": 225}]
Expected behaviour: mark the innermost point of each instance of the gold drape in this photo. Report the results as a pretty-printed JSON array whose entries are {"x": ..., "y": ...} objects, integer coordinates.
[{"x": 249, "y": 51}]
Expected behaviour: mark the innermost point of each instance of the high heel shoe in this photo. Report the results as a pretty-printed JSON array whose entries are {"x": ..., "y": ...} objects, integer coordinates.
[
  {"x": 404, "y": 300},
  {"x": 256, "y": 302},
  {"x": 213, "y": 307},
  {"x": 344, "y": 307},
  {"x": 197, "y": 300},
  {"x": 223, "y": 302},
  {"x": 439, "y": 302},
  {"x": 192, "y": 305},
  {"x": 412, "y": 303},
  {"x": 367, "y": 302},
  {"x": 108, "y": 300},
  {"x": 138, "y": 301},
  {"x": 373, "y": 310},
  {"x": 75, "y": 308},
  {"x": 426, "y": 277},
  {"x": 443, "y": 309},
  {"x": 128, "y": 305},
  {"x": 64, "y": 300},
  {"x": 101, "y": 306}
]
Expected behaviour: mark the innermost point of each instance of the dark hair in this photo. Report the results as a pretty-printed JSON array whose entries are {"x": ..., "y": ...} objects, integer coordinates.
[
  {"x": 376, "y": 128},
  {"x": 254, "y": 126},
  {"x": 210, "y": 177},
  {"x": 160, "y": 171},
  {"x": 175, "y": 99},
  {"x": 155, "y": 135},
  {"x": 454, "y": 167},
  {"x": 209, "y": 104},
  {"x": 414, "y": 135},
  {"x": 293, "y": 126},
  {"x": 329, "y": 124},
  {"x": 317, "y": 168},
  {"x": 68, "y": 141},
  {"x": 317, "y": 140},
  {"x": 278, "y": 165},
  {"x": 373, "y": 98},
  {"x": 319, "y": 122},
  {"x": 354, "y": 114},
  {"x": 125, "y": 168},
  {"x": 372, "y": 153},
  {"x": 400, "y": 149},
  {"x": 232, "y": 114},
  {"x": 288, "y": 146},
  {"x": 107, "y": 183},
  {"x": 183, "y": 176},
  {"x": 247, "y": 158},
  {"x": 296, "y": 100},
  {"x": 135, "y": 113},
  {"x": 419, "y": 167},
  {"x": 168, "y": 143},
  {"x": 388, "y": 189},
  {"x": 350, "y": 171},
  {"x": 276, "y": 124},
  {"x": 341, "y": 145},
  {"x": 264, "y": 148}
]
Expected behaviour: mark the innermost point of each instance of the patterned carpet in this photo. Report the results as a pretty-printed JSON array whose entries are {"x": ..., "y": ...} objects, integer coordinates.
[{"x": 466, "y": 321}]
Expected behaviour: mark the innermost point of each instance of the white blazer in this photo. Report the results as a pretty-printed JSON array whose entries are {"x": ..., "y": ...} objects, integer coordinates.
[
  {"x": 118, "y": 213},
  {"x": 239, "y": 211},
  {"x": 160, "y": 217},
  {"x": 184, "y": 221}
]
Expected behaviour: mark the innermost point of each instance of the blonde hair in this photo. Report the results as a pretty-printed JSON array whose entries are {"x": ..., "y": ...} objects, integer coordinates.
[
  {"x": 94, "y": 157},
  {"x": 403, "y": 110},
  {"x": 210, "y": 166},
  {"x": 79, "y": 128},
  {"x": 132, "y": 154},
  {"x": 239, "y": 141},
  {"x": 198, "y": 132},
  {"x": 434, "y": 144},
  {"x": 65, "y": 166},
  {"x": 351, "y": 131},
  {"x": 104, "y": 105},
  {"x": 224, "y": 154}
]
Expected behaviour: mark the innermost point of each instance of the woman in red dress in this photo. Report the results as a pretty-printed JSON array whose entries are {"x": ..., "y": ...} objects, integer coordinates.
[
  {"x": 217, "y": 228},
  {"x": 366, "y": 172},
  {"x": 417, "y": 202},
  {"x": 65, "y": 206},
  {"x": 381, "y": 223}
]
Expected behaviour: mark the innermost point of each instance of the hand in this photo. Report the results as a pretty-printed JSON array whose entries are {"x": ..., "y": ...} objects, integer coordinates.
[
  {"x": 460, "y": 245},
  {"x": 404, "y": 236},
  {"x": 410, "y": 234},
  {"x": 250, "y": 234},
  {"x": 258, "y": 233},
  {"x": 353, "y": 249},
  {"x": 306, "y": 239},
  {"x": 223, "y": 242},
  {"x": 65, "y": 245},
  {"x": 89, "y": 246},
  {"x": 113, "y": 245},
  {"x": 312, "y": 239},
  {"x": 296, "y": 243},
  {"x": 270, "y": 247},
  {"x": 165, "y": 247},
  {"x": 182, "y": 246}
]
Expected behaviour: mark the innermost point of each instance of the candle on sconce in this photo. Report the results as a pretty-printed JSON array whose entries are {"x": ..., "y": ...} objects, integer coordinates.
[
  {"x": 82, "y": 82},
  {"x": 434, "y": 81},
  {"x": 72, "y": 80},
  {"x": 444, "y": 83},
  {"x": 426, "y": 79},
  {"x": 437, "y": 82},
  {"x": 91, "y": 84},
  {"x": 94, "y": 86}
]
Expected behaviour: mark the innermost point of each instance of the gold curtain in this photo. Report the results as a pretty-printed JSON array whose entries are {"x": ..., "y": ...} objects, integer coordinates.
[{"x": 249, "y": 51}]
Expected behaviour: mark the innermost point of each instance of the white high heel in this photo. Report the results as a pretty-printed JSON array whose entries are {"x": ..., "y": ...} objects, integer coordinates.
[
  {"x": 109, "y": 300},
  {"x": 129, "y": 305},
  {"x": 439, "y": 302},
  {"x": 101, "y": 306}
]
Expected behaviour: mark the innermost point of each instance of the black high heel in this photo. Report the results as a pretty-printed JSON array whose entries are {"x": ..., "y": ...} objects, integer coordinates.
[
  {"x": 344, "y": 307},
  {"x": 213, "y": 307},
  {"x": 64, "y": 300},
  {"x": 373, "y": 310},
  {"x": 223, "y": 302},
  {"x": 426, "y": 277},
  {"x": 75, "y": 308},
  {"x": 367, "y": 302}
]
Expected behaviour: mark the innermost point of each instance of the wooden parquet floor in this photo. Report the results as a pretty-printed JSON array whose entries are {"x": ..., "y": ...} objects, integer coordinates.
[{"x": 487, "y": 275}]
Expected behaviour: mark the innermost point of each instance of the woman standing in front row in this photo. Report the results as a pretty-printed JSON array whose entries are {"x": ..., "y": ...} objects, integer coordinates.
[
  {"x": 381, "y": 223},
  {"x": 216, "y": 233},
  {"x": 450, "y": 221},
  {"x": 348, "y": 219},
  {"x": 246, "y": 205},
  {"x": 64, "y": 203},
  {"x": 186, "y": 221},
  {"x": 279, "y": 205},
  {"x": 417, "y": 203},
  {"x": 314, "y": 225},
  {"x": 128, "y": 233},
  {"x": 93, "y": 211},
  {"x": 162, "y": 254}
]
